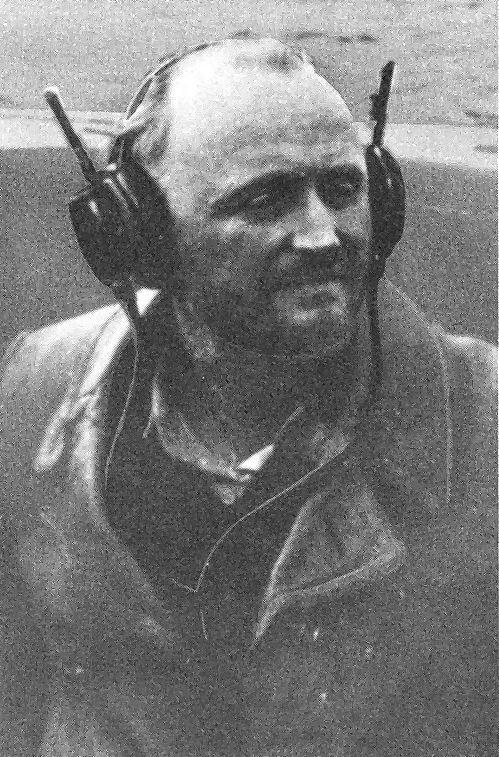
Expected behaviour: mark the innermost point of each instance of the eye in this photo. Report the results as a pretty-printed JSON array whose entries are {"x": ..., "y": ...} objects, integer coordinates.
[
  {"x": 339, "y": 189},
  {"x": 264, "y": 200},
  {"x": 260, "y": 200},
  {"x": 269, "y": 201}
]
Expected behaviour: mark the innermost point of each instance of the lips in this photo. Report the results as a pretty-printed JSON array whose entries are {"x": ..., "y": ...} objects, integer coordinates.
[
  {"x": 315, "y": 295},
  {"x": 312, "y": 303},
  {"x": 305, "y": 280}
]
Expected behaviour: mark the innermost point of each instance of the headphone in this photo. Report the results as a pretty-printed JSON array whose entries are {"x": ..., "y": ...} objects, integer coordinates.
[{"x": 121, "y": 219}]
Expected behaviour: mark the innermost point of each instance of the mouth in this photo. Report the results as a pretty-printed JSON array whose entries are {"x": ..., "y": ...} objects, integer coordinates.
[
  {"x": 309, "y": 303},
  {"x": 305, "y": 279},
  {"x": 313, "y": 294}
]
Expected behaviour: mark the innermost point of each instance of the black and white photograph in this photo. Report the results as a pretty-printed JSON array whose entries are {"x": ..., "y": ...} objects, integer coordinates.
[{"x": 248, "y": 378}]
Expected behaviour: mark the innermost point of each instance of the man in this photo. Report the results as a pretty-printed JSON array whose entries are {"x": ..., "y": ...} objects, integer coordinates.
[{"x": 157, "y": 599}]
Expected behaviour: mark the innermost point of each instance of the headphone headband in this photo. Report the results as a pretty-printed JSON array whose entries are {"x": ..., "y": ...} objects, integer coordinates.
[
  {"x": 163, "y": 64},
  {"x": 116, "y": 152}
]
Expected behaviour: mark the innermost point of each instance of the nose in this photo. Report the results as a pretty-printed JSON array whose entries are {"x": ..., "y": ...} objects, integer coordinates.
[{"x": 317, "y": 225}]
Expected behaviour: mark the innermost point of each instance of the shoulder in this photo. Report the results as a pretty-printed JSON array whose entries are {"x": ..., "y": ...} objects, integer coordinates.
[
  {"x": 411, "y": 340},
  {"x": 48, "y": 376},
  {"x": 472, "y": 376},
  {"x": 48, "y": 359},
  {"x": 479, "y": 358},
  {"x": 45, "y": 372},
  {"x": 437, "y": 407},
  {"x": 472, "y": 369},
  {"x": 32, "y": 351},
  {"x": 61, "y": 351}
]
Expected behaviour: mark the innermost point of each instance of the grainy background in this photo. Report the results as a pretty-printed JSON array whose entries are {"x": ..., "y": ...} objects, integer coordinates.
[{"x": 97, "y": 49}]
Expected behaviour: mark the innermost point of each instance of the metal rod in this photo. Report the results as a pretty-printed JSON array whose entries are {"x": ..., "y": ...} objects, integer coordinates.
[
  {"x": 380, "y": 103},
  {"x": 55, "y": 104}
]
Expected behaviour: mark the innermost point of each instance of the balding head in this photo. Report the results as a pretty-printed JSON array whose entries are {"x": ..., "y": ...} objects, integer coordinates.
[{"x": 234, "y": 85}]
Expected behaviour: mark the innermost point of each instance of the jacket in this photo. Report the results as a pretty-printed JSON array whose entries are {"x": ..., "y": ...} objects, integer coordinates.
[{"x": 374, "y": 627}]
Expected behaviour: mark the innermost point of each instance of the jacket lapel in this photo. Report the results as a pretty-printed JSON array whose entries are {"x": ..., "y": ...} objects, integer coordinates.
[{"x": 341, "y": 537}]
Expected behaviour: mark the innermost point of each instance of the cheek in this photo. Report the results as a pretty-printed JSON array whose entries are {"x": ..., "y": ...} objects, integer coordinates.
[
  {"x": 355, "y": 222},
  {"x": 236, "y": 251}
]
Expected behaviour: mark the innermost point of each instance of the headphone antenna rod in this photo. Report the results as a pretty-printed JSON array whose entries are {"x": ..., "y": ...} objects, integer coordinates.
[
  {"x": 379, "y": 103},
  {"x": 56, "y": 106}
]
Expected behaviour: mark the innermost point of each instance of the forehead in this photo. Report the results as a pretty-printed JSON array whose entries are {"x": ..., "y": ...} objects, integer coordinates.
[{"x": 232, "y": 113}]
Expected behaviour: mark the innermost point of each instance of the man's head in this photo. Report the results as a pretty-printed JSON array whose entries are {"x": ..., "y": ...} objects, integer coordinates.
[{"x": 266, "y": 181}]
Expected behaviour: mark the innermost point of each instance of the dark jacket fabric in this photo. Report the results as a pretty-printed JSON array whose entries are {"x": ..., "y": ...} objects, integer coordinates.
[{"x": 371, "y": 627}]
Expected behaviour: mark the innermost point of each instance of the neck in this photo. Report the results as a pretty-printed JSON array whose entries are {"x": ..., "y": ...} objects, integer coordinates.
[{"x": 252, "y": 394}]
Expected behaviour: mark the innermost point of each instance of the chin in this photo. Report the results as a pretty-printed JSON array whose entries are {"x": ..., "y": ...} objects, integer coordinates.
[
  {"x": 319, "y": 343},
  {"x": 320, "y": 332},
  {"x": 289, "y": 326},
  {"x": 296, "y": 342},
  {"x": 316, "y": 319}
]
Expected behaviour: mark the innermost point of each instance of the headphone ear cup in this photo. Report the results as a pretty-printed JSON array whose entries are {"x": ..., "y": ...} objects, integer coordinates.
[
  {"x": 104, "y": 219},
  {"x": 124, "y": 228},
  {"x": 387, "y": 202},
  {"x": 155, "y": 262}
]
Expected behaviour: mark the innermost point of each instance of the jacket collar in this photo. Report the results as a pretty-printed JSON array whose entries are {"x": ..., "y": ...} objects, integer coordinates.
[{"x": 408, "y": 439}]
